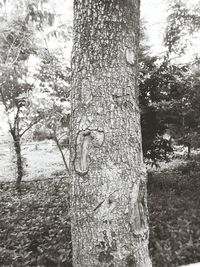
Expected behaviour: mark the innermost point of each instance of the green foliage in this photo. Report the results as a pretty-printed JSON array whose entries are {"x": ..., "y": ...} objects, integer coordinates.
[
  {"x": 153, "y": 85},
  {"x": 180, "y": 109},
  {"x": 174, "y": 216},
  {"x": 182, "y": 23},
  {"x": 52, "y": 98},
  {"x": 16, "y": 41},
  {"x": 14, "y": 85},
  {"x": 54, "y": 76},
  {"x": 169, "y": 92},
  {"x": 169, "y": 100},
  {"x": 37, "y": 15},
  {"x": 16, "y": 47},
  {"x": 41, "y": 134},
  {"x": 26, "y": 34},
  {"x": 35, "y": 226}
]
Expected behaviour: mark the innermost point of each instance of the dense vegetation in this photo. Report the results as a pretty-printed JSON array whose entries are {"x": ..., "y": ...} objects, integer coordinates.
[
  {"x": 174, "y": 199},
  {"x": 35, "y": 224}
]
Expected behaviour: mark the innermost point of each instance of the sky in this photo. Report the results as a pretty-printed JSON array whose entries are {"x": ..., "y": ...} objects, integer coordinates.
[{"x": 154, "y": 13}]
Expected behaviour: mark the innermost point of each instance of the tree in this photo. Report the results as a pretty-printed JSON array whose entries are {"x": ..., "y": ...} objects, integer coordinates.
[
  {"x": 51, "y": 100},
  {"x": 166, "y": 86},
  {"x": 149, "y": 88},
  {"x": 108, "y": 198},
  {"x": 13, "y": 95},
  {"x": 16, "y": 46},
  {"x": 27, "y": 31},
  {"x": 183, "y": 22},
  {"x": 177, "y": 93}
]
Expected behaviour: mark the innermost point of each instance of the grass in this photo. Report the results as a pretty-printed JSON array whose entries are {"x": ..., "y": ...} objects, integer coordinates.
[
  {"x": 174, "y": 210},
  {"x": 49, "y": 155},
  {"x": 35, "y": 226}
]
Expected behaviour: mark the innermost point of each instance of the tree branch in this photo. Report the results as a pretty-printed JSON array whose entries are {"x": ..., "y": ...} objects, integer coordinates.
[
  {"x": 16, "y": 122},
  {"x": 29, "y": 127},
  {"x": 60, "y": 149},
  {"x": 9, "y": 51}
]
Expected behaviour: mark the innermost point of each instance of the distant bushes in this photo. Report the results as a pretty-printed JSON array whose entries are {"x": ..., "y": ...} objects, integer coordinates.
[{"x": 42, "y": 134}]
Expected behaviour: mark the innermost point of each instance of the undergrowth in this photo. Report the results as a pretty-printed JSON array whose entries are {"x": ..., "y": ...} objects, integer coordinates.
[
  {"x": 35, "y": 225},
  {"x": 174, "y": 201}
]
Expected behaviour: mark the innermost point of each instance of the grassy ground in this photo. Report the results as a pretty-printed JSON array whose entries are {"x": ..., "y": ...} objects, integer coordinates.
[
  {"x": 41, "y": 160},
  {"x": 174, "y": 210},
  {"x": 35, "y": 227}
]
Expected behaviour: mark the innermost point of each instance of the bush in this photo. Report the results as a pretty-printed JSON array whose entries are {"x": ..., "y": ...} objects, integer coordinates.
[{"x": 41, "y": 135}]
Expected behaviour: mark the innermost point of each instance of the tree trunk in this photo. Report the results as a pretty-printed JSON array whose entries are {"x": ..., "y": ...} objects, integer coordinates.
[
  {"x": 108, "y": 199},
  {"x": 189, "y": 150},
  {"x": 60, "y": 149},
  {"x": 17, "y": 147}
]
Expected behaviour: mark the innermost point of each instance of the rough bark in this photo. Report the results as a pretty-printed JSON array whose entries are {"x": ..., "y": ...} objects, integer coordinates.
[{"x": 108, "y": 200}]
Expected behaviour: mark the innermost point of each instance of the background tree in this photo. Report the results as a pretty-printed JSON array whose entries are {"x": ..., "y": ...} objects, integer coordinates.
[
  {"x": 182, "y": 24},
  {"x": 28, "y": 28},
  {"x": 16, "y": 46},
  {"x": 108, "y": 200},
  {"x": 182, "y": 28},
  {"x": 52, "y": 101},
  {"x": 152, "y": 127},
  {"x": 167, "y": 86}
]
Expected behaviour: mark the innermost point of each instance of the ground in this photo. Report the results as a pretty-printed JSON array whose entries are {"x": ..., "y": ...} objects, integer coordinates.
[
  {"x": 41, "y": 159},
  {"x": 35, "y": 223},
  {"x": 174, "y": 201}
]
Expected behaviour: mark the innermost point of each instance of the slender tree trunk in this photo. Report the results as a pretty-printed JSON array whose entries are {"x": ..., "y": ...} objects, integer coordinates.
[
  {"x": 108, "y": 200},
  {"x": 19, "y": 163},
  {"x": 61, "y": 152},
  {"x": 189, "y": 150}
]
